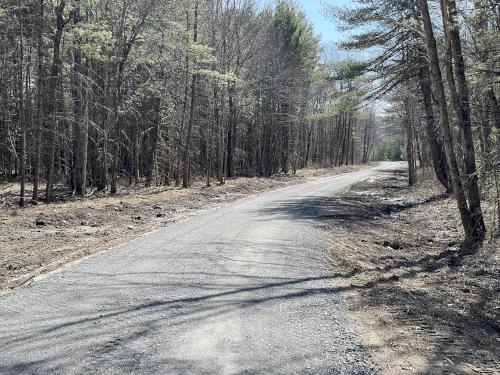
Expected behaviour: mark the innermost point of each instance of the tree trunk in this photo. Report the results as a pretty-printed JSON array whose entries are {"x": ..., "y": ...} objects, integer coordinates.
[
  {"x": 464, "y": 115},
  {"x": 410, "y": 155},
  {"x": 22, "y": 125},
  {"x": 231, "y": 133},
  {"x": 81, "y": 121},
  {"x": 40, "y": 104},
  {"x": 286, "y": 140},
  {"x": 444, "y": 122},
  {"x": 153, "y": 146},
  {"x": 81, "y": 166},
  {"x": 117, "y": 128},
  {"x": 55, "y": 98},
  {"x": 433, "y": 137},
  {"x": 189, "y": 135},
  {"x": 187, "y": 145}
]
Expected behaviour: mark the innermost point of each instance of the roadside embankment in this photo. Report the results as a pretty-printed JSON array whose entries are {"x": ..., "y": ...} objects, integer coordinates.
[
  {"x": 419, "y": 307},
  {"x": 42, "y": 238}
]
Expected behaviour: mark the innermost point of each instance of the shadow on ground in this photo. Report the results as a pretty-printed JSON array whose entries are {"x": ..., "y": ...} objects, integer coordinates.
[
  {"x": 402, "y": 268},
  {"x": 392, "y": 244}
]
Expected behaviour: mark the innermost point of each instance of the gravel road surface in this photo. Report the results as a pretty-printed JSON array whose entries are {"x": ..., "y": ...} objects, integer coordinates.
[{"x": 241, "y": 289}]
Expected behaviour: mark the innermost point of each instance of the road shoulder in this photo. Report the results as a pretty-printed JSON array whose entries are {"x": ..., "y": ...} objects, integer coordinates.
[
  {"x": 44, "y": 238},
  {"x": 418, "y": 309}
]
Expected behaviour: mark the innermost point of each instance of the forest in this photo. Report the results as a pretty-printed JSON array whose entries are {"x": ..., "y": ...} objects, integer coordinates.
[
  {"x": 439, "y": 64},
  {"x": 101, "y": 94},
  {"x": 250, "y": 187},
  {"x": 98, "y": 95}
]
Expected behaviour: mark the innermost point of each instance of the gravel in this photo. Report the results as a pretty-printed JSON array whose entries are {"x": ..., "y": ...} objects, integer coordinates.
[{"x": 237, "y": 290}]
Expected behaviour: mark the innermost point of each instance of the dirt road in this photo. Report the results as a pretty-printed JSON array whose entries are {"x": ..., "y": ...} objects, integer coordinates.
[{"x": 242, "y": 289}]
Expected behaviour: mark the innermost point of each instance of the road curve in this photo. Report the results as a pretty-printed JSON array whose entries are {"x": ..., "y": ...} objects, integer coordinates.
[{"x": 241, "y": 289}]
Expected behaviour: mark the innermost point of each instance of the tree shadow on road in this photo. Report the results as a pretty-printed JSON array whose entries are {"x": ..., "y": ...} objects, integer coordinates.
[
  {"x": 392, "y": 245},
  {"x": 182, "y": 311},
  {"x": 381, "y": 282}
]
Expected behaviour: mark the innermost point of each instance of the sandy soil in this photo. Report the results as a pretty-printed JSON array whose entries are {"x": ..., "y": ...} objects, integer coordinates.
[
  {"x": 42, "y": 238},
  {"x": 419, "y": 308}
]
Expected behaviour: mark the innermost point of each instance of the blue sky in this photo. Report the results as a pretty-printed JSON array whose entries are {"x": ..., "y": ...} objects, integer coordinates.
[{"x": 323, "y": 26}]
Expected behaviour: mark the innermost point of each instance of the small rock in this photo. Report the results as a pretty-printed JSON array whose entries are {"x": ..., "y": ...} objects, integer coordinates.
[
  {"x": 480, "y": 272},
  {"x": 454, "y": 262},
  {"x": 130, "y": 227},
  {"x": 40, "y": 222},
  {"x": 160, "y": 215}
]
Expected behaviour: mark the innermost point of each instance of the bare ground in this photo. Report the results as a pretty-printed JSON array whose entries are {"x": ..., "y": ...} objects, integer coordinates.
[
  {"x": 40, "y": 239},
  {"x": 419, "y": 308}
]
